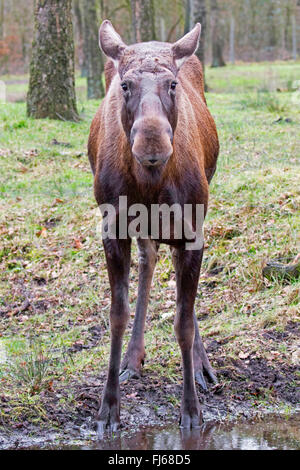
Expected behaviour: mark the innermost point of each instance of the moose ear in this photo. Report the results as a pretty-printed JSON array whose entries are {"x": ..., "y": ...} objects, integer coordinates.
[
  {"x": 186, "y": 46},
  {"x": 110, "y": 42}
]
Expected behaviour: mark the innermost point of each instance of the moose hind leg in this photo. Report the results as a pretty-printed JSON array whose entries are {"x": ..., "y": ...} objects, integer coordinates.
[
  {"x": 201, "y": 362},
  {"x": 118, "y": 262},
  {"x": 135, "y": 354}
]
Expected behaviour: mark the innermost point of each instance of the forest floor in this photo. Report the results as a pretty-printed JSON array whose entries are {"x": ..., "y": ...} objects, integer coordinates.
[{"x": 54, "y": 291}]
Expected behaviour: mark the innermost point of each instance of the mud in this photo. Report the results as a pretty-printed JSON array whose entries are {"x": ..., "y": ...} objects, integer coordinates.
[
  {"x": 274, "y": 433},
  {"x": 248, "y": 389}
]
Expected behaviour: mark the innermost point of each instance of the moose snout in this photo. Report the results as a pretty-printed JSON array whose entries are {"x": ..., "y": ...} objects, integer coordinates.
[
  {"x": 151, "y": 142},
  {"x": 153, "y": 160}
]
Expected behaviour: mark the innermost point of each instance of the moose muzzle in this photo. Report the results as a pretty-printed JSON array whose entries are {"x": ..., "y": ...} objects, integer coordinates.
[{"x": 151, "y": 141}]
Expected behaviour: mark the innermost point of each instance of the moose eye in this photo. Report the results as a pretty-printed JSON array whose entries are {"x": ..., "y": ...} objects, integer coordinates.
[
  {"x": 124, "y": 86},
  {"x": 173, "y": 85}
]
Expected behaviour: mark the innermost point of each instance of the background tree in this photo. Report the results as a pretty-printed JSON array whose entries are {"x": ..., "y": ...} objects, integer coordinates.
[
  {"x": 294, "y": 37},
  {"x": 52, "y": 83},
  {"x": 1, "y": 19},
  {"x": 143, "y": 21},
  {"x": 217, "y": 41},
  {"x": 231, "y": 40},
  {"x": 195, "y": 11},
  {"x": 78, "y": 17},
  {"x": 188, "y": 16},
  {"x": 93, "y": 57},
  {"x": 200, "y": 16}
]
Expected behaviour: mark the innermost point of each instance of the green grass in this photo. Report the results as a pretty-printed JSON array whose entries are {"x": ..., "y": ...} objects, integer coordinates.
[
  {"x": 263, "y": 76},
  {"x": 51, "y": 253}
]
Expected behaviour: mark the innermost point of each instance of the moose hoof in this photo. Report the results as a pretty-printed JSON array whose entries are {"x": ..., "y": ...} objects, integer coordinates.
[
  {"x": 200, "y": 380},
  {"x": 128, "y": 374},
  {"x": 103, "y": 426},
  {"x": 132, "y": 363},
  {"x": 191, "y": 419},
  {"x": 108, "y": 419}
]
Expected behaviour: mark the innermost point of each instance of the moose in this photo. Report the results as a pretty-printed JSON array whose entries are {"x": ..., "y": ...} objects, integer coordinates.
[{"x": 154, "y": 141}]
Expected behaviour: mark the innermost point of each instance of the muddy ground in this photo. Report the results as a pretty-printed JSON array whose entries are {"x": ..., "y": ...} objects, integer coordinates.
[{"x": 239, "y": 395}]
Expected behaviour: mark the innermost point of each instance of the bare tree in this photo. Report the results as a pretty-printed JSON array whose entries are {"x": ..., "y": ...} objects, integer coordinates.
[
  {"x": 188, "y": 16},
  {"x": 217, "y": 41},
  {"x": 231, "y": 40},
  {"x": 93, "y": 59},
  {"x": 78, "y": 16},
  {"x": 162, "y": 24},
  {"x": 143, "y": 20},
  {"x": 52, "y": 84},
  {"x": 294, "y": 38},
  {"x": 1, "y": 19},
  {"x": 199, "y": 10}
]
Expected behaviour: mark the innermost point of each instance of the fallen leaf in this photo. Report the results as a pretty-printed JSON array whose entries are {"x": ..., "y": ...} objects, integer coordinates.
[
  {"x": 50, "y": 386},
  {"x": 23, "y": 169},
  {"x": 77, "y": 244},
  {"x": 42, "y": 233}
]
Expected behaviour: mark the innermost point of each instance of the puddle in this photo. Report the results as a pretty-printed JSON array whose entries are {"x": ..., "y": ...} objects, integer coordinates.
[{"x": 269, "y": 434}]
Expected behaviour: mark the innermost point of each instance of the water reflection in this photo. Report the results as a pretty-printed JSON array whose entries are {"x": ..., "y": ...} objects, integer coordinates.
[
  {"x": 275, "y": 434},
  {"x": 269, "y": 434}
]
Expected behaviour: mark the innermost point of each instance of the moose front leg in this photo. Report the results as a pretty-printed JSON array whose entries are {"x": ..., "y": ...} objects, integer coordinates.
[
  {"x": 135, "y": 353},
  {"x": 117, "y": 254},
  {"x": 187, "y": 268}
]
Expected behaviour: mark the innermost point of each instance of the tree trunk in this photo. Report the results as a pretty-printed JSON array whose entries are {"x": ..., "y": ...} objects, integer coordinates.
[
  {"x": 52, "y": 84},
  {"x": 143, "y": 20},
  {"x": 231, "y": 40},
  {"x": 294, "y": 38},
  {"x": 188, "y": 16},
  {"x": 272, "y": 27},
  {"x": 1, "y": 20},
  {"x": 217, "y": 43},
  {"x": 163, "y": 34},
  {"x": 287, "y": 25},
  {"x": 94, "y": 60},
  {"x": 200, "y": 16},
  {"x": 78, "y": 14}
]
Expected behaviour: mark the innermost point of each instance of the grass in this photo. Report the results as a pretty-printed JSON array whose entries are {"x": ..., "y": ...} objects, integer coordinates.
[{"x": 51, "y": 255}]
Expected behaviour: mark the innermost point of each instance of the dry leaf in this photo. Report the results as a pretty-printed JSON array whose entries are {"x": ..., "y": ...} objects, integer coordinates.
[
  {"x": 77, "y": 244},
  {"x": 23, "y": 169},
  {"x": 42, "y": 233}
]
